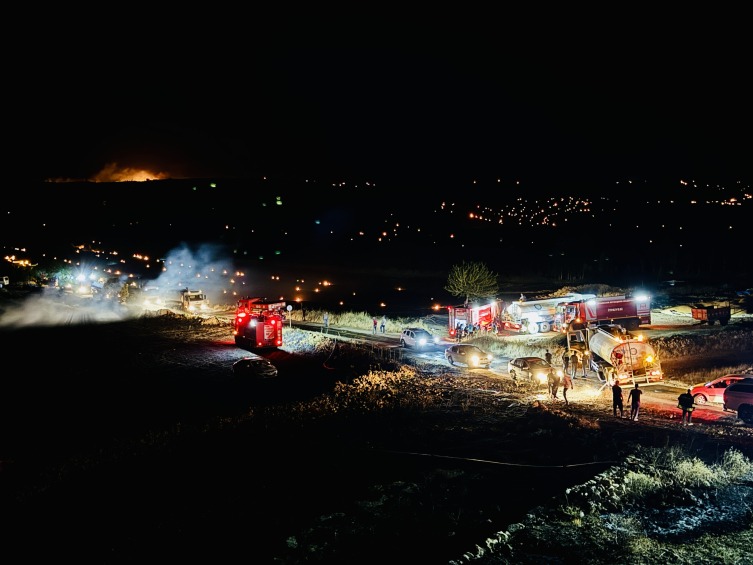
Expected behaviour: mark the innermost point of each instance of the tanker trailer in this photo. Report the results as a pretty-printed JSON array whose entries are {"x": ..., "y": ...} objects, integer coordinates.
[{"x": 617, "y": 355}]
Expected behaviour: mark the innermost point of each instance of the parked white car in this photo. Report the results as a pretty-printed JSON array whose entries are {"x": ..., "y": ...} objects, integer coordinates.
[{"x": 417, "y": 338}]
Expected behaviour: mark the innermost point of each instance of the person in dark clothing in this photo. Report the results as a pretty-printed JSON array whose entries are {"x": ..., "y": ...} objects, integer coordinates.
[
  {"x": 617, "y": 399},
  {"x": 565, "y": 360},
  {"x": 687, "y": 403},
  {"x": 634, "y": 399},
  {"x": 548, "y": 356},
  {"x": 554, "y": 383}
]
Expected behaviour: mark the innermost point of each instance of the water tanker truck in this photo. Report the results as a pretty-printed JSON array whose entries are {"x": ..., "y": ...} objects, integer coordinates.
[{"x": 616, "y": 355}]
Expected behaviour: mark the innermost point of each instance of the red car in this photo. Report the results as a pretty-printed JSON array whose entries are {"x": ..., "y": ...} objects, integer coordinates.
[{"x": 713, "y": 391}]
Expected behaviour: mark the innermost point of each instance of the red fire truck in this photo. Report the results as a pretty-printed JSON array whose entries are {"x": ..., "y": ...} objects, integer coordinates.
[
  {"x": 630, "y": 313},
  {"x": 257, "y": 323},
  {"x": 476, "y": 314}
]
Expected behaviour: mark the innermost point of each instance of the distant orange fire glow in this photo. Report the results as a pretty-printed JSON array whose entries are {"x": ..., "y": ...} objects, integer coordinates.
[{"x": 112, "y": 172}]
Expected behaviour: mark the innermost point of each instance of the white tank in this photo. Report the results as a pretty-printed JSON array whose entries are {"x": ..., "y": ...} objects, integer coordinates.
[
  {"x": 622, "y": 353},
  {"x": 541, "y": 310}
]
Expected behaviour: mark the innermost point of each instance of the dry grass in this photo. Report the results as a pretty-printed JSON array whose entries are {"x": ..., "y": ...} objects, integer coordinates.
[{"x": 361, "y": 320}]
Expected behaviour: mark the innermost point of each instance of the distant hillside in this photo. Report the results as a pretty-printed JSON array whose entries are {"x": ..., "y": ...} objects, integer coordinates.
[{"x": 640, "y": 231}]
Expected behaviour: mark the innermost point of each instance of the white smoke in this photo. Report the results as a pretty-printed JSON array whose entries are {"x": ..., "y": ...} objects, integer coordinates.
[{"x": 206, "y": 268}]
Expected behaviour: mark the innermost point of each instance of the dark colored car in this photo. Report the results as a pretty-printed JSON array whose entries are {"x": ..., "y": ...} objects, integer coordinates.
[
  {"x": 468, "y": 355},
  {"x": 255, "y": 366},
  {"x": 739, "y": 398}
]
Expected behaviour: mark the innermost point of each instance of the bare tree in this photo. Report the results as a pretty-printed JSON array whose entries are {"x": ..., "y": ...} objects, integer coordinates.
[{"x": 471, "y": 281}]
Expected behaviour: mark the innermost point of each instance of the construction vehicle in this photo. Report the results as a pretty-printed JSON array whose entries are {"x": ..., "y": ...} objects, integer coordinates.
[
  {"x": 710, "y": 314},
  {"x": 481, "y": 315},
  {"x": 194, "y": 301},
  {"x": 536, "y": 316},
  {"x": 629, "y": 313},
  {"x": 616, "y": 355},
  {"x": 258, "y": 324}
]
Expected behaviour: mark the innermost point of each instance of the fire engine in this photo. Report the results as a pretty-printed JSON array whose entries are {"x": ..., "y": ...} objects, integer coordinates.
[
  {"x": 630, "y": 313},
  {"x": 483, "y": 315},
  {"x": 257, "y": 323}
]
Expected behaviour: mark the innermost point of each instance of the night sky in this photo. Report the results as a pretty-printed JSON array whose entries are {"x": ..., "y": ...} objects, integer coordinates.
[{"x": 627, "y": 97}]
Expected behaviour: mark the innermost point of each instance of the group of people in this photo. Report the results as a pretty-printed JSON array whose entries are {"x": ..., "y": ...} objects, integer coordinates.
[
  {"x": 570, "y": 362},
  {"x": 554, "y": 381},
  {"x": 685, "y": 401},
  {"x": 634, "y": 400},
  {"x": 463, "y": 331},
  {"x": 382, "y": 324}
]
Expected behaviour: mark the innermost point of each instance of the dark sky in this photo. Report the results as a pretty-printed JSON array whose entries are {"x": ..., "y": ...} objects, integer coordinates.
[{"x": 600, "y": 98}]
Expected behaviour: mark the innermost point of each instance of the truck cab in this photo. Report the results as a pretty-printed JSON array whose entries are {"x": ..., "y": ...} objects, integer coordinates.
[{"x": 193, "y": 301}]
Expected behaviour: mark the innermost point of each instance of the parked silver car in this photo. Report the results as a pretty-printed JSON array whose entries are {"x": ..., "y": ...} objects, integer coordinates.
[
  {"x": 468, "y": 355},
  {"x": 534, "y": 369}
]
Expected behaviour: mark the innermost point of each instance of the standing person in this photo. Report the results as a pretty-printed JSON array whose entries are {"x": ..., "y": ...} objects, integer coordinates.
[
  {"x": 383, "y": 324},
  {"x": 617, "y": 399},
  {"x": 553, "y": 382},
  {"x": 574, "y": 363},
  {"x": 548, "y": 356},
  {"x": 567, "y": 384},
  {"x": 687, "y": 403},
  {"x": 374, "y": 322},
  {"x": 634, "y": 399},
  {"x": 326, "y": 320},
  {"x": 565, "y": 361}
]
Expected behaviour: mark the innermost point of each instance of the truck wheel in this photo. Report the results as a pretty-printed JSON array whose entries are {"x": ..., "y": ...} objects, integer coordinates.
[
  {"x": 533, "y": 328},
  {"x": 544, "y": 327}
]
